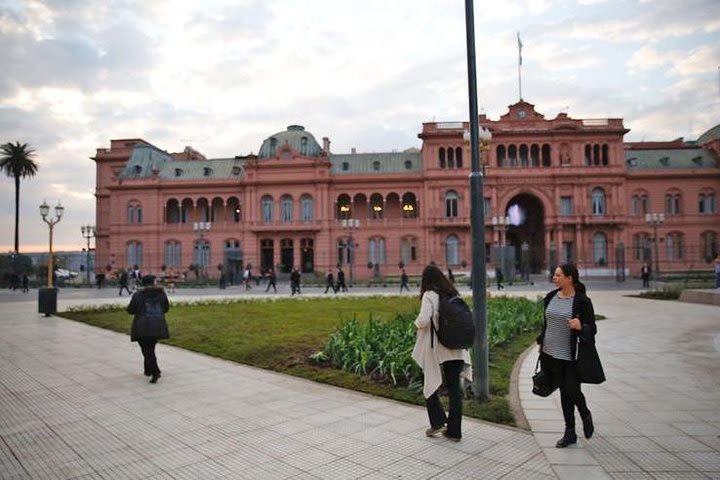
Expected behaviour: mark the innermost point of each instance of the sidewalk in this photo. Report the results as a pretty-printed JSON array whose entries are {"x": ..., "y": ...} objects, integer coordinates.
[
  {"x": 658, "y": 414},
  {"x": 74, "y": 404}
]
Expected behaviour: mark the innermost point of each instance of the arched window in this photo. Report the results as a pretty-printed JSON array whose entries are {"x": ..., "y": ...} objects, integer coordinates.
[
  {"x": 441, "y": 157},
  {"x": 451, "y": 204},
  {"x": 512, "y": 155},
  {"x": 605, "y": 154},
  {"x": 408, "y": 250},
  {"x": 706, "y": 203},
  {"x": 409, "y": 206},
  {"x": 134, "y": 213},
  {"x": 376, "y": 206},
  {"x": 672, "y": 203},
  {"x": 266, "y": 204},
  {"x": 708, "y": 246},
  {"x": 306, "y": 208},
  {"x": 674, "y": 244},
  {"x": 598, "y": 201},
  {"x": 172, "y": 211},
  {"x": 535, "y": 155},
  {"x": 201, "y": 254},
  {"x": 639, "y": 203},
  {"x": 203, "y": 210},
  {"x": 596, "y": 154},
  {"x": 286, "y": 209},
  {"x": 451, "y": 157},
  {"x": 185, "y": 208},
  {"x": 135, "y": 253},
  {"x": 344, "y": 207},
  {"x": 376, "y": 251},
  {"x": 524, "y": 159},
  {"x": 303, "y": 146},
  {"x": 600, "y": 249},
  {"x": 172, "y": 255},
  {"x": 641, "y": 247},
  {"x": 546, "y": 155},
  {"x": 588, "y": 155},
  {"x": 452, "y": 250},
  {"x": 458, "y": 157},
  {"x": 500, "y": 153}
]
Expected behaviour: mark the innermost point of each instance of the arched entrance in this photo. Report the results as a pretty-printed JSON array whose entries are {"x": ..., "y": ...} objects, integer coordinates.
[{"x": 527, "y": 225}]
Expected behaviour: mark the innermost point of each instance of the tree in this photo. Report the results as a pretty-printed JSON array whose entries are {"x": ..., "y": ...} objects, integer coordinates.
[{"x": 17, "y": 162}]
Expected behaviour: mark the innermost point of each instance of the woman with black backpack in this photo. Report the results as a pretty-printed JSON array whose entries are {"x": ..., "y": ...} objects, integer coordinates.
[
  {"x": 436, "y": 360},
  {"x": 149, "y": 305}
]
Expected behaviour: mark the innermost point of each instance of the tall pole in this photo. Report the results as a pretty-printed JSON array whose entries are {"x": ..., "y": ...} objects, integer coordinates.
[
  {"x": 477, "y": 222},
  {"x": 50, "y": 258},
  {"x": 657, "y": 253}
]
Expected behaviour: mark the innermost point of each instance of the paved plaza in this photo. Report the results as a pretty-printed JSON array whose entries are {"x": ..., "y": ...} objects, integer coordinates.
[{"x": 74, "y": 404}]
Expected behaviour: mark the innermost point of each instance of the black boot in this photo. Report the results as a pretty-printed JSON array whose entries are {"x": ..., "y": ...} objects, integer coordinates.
[
  {"x": 568, "y": 439},
  {"x": 588, "y": 427}
]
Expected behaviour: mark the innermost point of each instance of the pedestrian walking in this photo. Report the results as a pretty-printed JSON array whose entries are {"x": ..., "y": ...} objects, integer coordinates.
[
  {"x": 123, "y": 282},
  {"x": 341, "y": 280},
  {"x": 247, "y": 278},
  {"x": 437, "y": 361},
  {"x": 717, "y": 271},
  {"x": 272, "y": 280},
  {"x": 567, "y": 348},
  {"x": 499, "y": 278},
  {"x": 330, "y": 282},
  {"x": 404, "y": 281},
  {"x": 645, "y": 275},
  {"x": 25, "y": 283},
  {"x": 295, "y": 281},
  {"x": 148, "y": 307}
]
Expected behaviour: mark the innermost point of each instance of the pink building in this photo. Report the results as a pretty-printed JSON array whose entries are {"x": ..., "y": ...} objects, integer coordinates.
[{"x": 572, "y": 190}]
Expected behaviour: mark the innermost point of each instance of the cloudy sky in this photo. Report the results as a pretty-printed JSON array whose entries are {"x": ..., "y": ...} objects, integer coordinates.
[{"x": 224, "y": 75}]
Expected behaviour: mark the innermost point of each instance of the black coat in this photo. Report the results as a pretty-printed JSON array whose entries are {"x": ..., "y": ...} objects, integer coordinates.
[
  {"x": 582, "y": 343},
  {"x": 149, "y": 306}
]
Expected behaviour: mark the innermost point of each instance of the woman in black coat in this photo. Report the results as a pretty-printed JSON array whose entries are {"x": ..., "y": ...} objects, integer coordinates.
[
  {"x": 567, "y": 348},
  {"x": 149, "y": 305}
]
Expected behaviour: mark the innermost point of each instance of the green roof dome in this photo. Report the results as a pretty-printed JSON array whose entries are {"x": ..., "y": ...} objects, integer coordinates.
[
  {"x": 710, "y": 135},
  {"x": 295, "y": 136}
]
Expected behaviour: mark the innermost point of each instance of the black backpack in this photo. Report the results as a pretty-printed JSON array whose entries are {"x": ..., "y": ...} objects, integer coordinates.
[{"x": 456, "y": 328}]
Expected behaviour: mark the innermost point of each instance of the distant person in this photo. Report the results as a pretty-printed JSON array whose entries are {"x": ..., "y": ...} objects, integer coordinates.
[
  {"x": 451, "y": 277},
  {"x": 272, "y": 281},
  {"x": 330, "y": 282},
  {"x": 247, "y": 278},
  {"x": 149, "y": 305},
  {"x": 123, "y": 282},
  {"x": 645, "y": 275},
  {"x": 341, "y": 280},
  {"x": 295, "y": 281},
  {"x": 99, "y": 280},
  {"x": 404, "y": 281},
  {"x": 438, "y": 362},
  {"x": 717, "y": 271},
  {"x": 25, "y": 283},
  {"x": 499, "y": 278},
  {"x": 221, "y": 281}
]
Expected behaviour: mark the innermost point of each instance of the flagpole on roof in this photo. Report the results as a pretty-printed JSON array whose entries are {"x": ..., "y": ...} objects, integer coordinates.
[{"x": 520, "y": 45}]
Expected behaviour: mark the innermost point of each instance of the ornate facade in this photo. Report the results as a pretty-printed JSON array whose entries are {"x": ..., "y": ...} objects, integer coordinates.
[{"x": 572, "y": 190}]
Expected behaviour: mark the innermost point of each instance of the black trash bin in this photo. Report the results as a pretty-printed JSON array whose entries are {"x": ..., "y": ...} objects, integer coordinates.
[{"x": 47, "y": 301}]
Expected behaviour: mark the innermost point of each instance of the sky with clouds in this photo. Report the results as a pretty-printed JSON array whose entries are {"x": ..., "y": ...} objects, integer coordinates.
[{"x": 224, "y": 75}]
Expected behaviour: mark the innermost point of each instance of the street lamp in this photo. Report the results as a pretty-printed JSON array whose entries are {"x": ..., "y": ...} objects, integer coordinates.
[
  {"x": 654, "y": 220},
  {"x": 44, "y": 211},
  {"x": 350, "y": 224},
  {"x": 202, "y": 228},
  {"x": 88, "y": 232},
  {"x": 477, "y": 220}
]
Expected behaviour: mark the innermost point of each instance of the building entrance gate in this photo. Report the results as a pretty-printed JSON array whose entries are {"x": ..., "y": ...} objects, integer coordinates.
[{"x": 527, "y": 225}]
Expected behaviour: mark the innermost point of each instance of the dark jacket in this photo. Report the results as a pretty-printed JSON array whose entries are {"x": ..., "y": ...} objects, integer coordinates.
[
  {"x": 149, "y": 306},
  {"x": 582, "y": 343}
]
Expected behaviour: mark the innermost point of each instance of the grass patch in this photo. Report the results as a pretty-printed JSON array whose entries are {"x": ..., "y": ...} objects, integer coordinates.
[{"x": 282, "y": 334}]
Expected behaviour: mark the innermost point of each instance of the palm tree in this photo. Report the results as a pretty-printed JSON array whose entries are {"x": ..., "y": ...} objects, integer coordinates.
[{"x": 17, "y": 161}]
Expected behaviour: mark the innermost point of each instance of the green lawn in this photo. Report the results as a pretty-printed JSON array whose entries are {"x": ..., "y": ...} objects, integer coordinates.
[{"x": 281, "y": 334}]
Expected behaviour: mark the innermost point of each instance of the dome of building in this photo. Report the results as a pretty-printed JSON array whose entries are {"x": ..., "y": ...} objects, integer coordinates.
[
  {"x": 302, "y": 141},
  {"x": 710, "y": 135}
]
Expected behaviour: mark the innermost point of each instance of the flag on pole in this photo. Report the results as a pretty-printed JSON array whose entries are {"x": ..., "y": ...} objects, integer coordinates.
[{"x": 519, "y": 49}]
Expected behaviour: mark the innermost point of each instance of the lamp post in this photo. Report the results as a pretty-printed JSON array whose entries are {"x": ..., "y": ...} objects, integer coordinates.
[
  {"x": 88, "y": 232},
  {"x": 654, "y": 220},
  {"x": 477, "y": 219},
  {"x": 351, "y": 224},
  {"x": 44, "y": 211},
  {"x": 202, "y": 229}
]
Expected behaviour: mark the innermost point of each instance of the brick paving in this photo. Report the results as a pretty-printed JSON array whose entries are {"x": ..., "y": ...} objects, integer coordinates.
[{"x": 75, "y": 405}]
